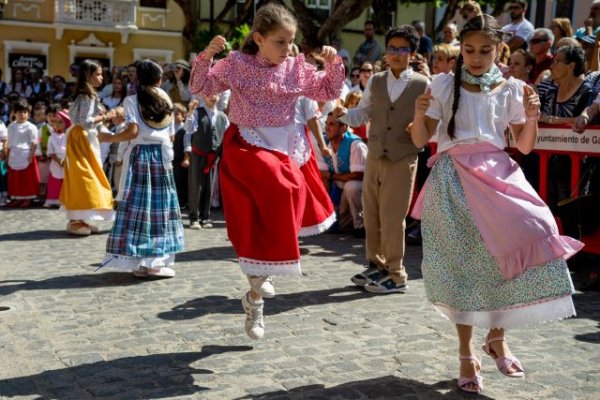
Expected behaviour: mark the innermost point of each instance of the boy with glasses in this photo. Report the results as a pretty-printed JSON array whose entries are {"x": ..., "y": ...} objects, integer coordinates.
[
  {"x": 388, "y": 103},
  {"x": 519, "y": 31}
]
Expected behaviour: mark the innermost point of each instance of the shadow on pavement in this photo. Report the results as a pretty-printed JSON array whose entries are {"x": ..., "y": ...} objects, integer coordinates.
[
  {"x": 218, "y": 253},
  {"x": 44, "y": 234},
  {"x": 329, "y": 245},
  {"x": 143, "y": 377},
  {"x": 281, "y": 303},
  {"x": 587, "y": 305},
  {"x": 387, "y": 387},
  {"x": 71, "y": 282}
]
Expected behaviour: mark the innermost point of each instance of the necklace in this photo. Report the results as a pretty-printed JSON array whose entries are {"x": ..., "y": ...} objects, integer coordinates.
[{"x": 485, "y": 81}]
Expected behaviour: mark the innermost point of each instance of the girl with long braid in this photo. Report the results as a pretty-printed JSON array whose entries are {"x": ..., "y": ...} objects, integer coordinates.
[
  {"x": 492, "y": 254},
  {"x": 148, "y": 230}
]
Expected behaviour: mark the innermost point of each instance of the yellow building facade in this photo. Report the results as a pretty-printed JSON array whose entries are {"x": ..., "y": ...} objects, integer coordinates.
[{"x": 53, "y": 34}]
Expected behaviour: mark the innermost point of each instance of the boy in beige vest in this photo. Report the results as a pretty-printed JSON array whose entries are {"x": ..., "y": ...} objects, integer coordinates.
[{"x": 388, "y": 103}]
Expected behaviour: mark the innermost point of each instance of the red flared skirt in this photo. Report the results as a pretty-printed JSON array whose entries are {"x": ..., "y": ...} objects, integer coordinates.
[
  {"x": 268, "y": 202},
  {"x": 24, "y": 183}
]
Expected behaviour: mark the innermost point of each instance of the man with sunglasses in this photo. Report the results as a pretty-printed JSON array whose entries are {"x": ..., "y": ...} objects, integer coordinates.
[
  {"x": 519, "y": 31},
  {"x": 388, "y": 103},
  {"x": 539, "y": 47}
]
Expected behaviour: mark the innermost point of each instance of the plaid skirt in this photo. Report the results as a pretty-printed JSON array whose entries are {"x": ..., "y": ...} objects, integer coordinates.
[{"x": 148, "y": 230}]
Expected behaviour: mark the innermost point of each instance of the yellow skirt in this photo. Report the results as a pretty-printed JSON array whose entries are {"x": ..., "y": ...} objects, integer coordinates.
[{"x": 85, "y": 192}]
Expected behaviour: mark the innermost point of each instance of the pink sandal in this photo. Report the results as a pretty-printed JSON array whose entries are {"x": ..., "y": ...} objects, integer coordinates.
[
  {"x": 463, "y": 381},
  {"x": 504, "y": 363}
]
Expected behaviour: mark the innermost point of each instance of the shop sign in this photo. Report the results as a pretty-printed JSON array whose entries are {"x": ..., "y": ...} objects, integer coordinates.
[{"x": 16, "y": 60}]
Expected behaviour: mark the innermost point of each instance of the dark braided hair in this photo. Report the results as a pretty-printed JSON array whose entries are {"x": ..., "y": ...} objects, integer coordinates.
[
  {"x": 487, "y": 25},
  {"x": 152, "y": 106}
]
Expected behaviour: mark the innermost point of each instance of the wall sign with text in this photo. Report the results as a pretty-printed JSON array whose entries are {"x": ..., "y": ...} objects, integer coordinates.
[
  {"x": 564, "y": 139},
  {"x": 16, "y": 60}
]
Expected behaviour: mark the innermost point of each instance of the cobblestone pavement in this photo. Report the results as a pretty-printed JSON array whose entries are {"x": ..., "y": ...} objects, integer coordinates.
[{"x": 72, "y": 333}]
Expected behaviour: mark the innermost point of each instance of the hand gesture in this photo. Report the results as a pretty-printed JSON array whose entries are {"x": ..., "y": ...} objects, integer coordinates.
[
  {"x": 193, "y": 105},
  {"x": 178, "y": 73},
  {"x": 581, "y": 123},
  {"x": 422, "y": 103},
  {"x": 216, "y": 45},
  {"x": 531, "y": 102},
  {"x": 339, "y": 112},
  {"x": 111, "y": 114},
  {"x": 328, "y": 53},
  {"x": 424, "y": 69},
  {"x": 326, "y": 152}
]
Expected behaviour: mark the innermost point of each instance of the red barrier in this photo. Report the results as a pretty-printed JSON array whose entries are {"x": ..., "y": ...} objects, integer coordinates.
[{"x": 560, "y": 139}]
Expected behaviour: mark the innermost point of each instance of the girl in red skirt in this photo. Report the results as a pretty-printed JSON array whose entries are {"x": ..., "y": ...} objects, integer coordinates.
[
  {"x": 23, "y": 174},
  {"x": 271, "y": 192}
]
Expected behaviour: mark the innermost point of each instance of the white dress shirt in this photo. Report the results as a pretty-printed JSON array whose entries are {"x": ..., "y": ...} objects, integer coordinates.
[{"x": 395, "y": 86}]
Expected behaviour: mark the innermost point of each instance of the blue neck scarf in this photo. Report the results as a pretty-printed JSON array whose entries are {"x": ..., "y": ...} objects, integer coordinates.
[{"x": 485, "y": 81}]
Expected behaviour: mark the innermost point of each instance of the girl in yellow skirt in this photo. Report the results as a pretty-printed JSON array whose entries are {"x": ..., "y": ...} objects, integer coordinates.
[{"x": 86, "y": 194}]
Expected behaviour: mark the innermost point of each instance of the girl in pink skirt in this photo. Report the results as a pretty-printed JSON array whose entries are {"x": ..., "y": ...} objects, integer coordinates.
[{"x": 492, "y": 254}]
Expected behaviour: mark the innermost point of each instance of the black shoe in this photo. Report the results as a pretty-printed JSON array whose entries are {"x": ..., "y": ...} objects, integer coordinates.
[{"x": 359, "y": 233}]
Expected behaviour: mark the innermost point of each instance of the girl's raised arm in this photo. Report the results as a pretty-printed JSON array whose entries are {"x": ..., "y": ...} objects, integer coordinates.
[
  {"x": 208, "y": 78},
  {"x": 324, "y": 85}
]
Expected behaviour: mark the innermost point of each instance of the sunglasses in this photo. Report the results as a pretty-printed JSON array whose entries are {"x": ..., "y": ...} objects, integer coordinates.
[
  {"x": 515, "y": 8},
  {"x": 366, "y": 70},
  {"x": 537, "y": 41},
  {"x": 355, "y": 75},
  {"x": 399, "y": 51}
]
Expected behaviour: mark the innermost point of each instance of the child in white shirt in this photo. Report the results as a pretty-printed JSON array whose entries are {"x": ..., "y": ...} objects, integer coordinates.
[
  {"x": 57, "y": 148},
  {"x": 23, "y": 173}
]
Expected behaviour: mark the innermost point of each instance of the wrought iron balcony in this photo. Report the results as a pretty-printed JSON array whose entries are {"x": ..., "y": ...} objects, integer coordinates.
[{"x": 104, "y": 13}]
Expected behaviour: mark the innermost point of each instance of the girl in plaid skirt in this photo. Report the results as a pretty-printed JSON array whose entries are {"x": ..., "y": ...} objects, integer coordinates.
[{"x": 148, "y": 230}]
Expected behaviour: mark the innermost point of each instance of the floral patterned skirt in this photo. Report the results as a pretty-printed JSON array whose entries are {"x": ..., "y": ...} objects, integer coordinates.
[{"x": 463, "y": 280}]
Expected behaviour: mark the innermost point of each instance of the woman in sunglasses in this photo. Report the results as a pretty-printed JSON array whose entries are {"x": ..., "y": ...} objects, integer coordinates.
[{"x": 367, "y": 69}]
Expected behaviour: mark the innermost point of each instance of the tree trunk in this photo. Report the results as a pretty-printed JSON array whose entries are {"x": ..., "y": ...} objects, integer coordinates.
[
  {"x": 191, "y": 18},
  {"x": 317, "y": 30}
]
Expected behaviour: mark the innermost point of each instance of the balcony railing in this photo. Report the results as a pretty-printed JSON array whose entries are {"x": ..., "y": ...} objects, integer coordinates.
[{"x": 106, "y": 13}]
